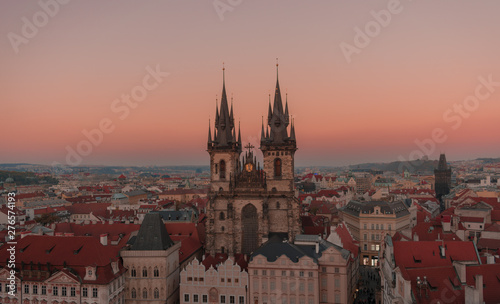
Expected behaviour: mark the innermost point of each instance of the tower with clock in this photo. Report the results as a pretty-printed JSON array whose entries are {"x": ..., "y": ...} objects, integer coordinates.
[{"x": 248, "y": 204}]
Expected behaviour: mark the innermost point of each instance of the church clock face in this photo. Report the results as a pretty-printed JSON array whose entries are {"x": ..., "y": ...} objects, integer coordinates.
[{"x": 249, "y": 167}]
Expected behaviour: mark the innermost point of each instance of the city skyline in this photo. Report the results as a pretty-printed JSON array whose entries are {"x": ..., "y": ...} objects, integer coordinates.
[{"x": 352, "y": 103}]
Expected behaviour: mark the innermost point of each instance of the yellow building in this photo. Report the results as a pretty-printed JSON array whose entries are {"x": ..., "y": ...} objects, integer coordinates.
[{"x": 370, "y": 221}]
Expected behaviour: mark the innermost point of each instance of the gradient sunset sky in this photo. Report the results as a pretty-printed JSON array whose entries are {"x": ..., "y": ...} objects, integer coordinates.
[{"x": 394, "y": 91}]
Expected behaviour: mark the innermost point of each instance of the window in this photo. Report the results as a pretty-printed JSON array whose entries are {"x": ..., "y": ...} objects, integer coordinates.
[
  {"x": 272, "y": 273},
  {"x": 381, "y": 226},
  {"x": 301, "y": 286},
  {"x": 64, "y": 291},
  {"x": 310, "y": 274},
  {"x": 365, "y": 237},
  {"x": 310, "y": 287},
  {"x": 377, "y": 237},
  {"x": 323, "y": 269},
  {"x": 283, "y": 286},
  {"x": 133, "y": 293},
  {"x": 195, "y": 298},
  {"x": 337, "y": 270},
  {"x": 26, "y": 289},
  {"x": 144, "y": 272},
  {"x": 301, "y": 274},
  {"x": 323, "y": 282},
  {"x": 204, "y": 298},
  {"x": 222, "y": 165},
  {"x": 156, "y": 272},
  {"x": 144, "y": 293},
  {"x": 223, "y": 299},
  {"x": 377, "y": 226},
  {"x": 222, "y": 216},
  {"x": 232, "y": 300},
  {"x": 277, "y": 205},
  {"x": 84, "y": 291},
  {"x": 94, "y": 292},
  {"x": 292, "y": 273},
  {"x": 264, "y": 285},
  {"x": 273, "y": 285},
  {"x": 264, "y": 272},
  {"x": 133, "y": 273},
  {"x": 324, "y": 297},
  {"x": 186, "y": 297},
  {"x": 337, "y": 298},
  {"x": 55, "y": 291},
  {"x": 390, "y": 227},
  {"x": 373, "y": 226},
  {"x": 241, "y": 300},
  {"x": 1, "y": 287},
  {"x": 157, "y": 293},
  {"x": 283, "y": 273},
  {"x": 72, "y": 292},
  {"x": 364, "y": 226},
  {"x": 365, "y": 247},
  {"x": 35, "y": 289},
  {"x": 337, "y": 282},
  {"x": 277, "y": 167},
  {"x": 373, "y": 237}
]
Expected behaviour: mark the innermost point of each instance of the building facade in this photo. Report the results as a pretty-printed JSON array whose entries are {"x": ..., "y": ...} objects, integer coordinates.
[
  {"x": 442, "y": 183},
  {"x": 247, "y": 203},
  {"x": 370, "y": 221},
  {"x": 219, "y": 279},
  {"x": 152, "y": 261}
]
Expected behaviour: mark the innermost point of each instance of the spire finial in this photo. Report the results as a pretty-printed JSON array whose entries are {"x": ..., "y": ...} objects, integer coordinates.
[
  {"x": 277, "y": 64},
  {"x": 223, "y": 74}
]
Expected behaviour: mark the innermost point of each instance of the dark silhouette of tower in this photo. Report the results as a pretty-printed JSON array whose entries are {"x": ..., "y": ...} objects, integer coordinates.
[{"x": 442, "y": 182}]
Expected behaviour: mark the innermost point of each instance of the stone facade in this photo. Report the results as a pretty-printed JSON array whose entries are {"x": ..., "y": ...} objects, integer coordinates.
[{"x": 248, "y": 204}]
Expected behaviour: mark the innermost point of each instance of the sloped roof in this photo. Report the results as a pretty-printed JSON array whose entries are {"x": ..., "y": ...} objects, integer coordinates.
[{"x": 152, "y": 235}]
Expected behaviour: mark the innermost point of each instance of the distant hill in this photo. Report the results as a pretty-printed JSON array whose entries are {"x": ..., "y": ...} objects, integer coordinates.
[
  {"x": 26, "y": 178},
  {"x": 400, "y": 167}
]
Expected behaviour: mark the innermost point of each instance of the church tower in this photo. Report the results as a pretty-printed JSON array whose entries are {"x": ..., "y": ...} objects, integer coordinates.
[
  {"x": 224, "y": 148},
  {"x": 442, "y": 182},
  {"x": 278, "y": 145}
]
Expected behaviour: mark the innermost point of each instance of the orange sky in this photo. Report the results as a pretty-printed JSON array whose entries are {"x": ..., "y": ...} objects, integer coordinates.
[{"x": 395, "y": 91}]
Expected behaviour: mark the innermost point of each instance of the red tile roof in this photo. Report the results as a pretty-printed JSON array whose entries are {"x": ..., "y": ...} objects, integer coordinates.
[{"x": 427, "y": 253}]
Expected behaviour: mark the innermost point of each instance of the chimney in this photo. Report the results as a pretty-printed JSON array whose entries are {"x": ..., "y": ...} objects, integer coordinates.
[
  {"x": 317, "y": 247},
  {"x": 415, "y": 237},
  {"x": 490, "y": 259},
  {"x": 442, "y": 251},
  {"x": 479, "y": 287},
  {"x": 104, "y": 239}
]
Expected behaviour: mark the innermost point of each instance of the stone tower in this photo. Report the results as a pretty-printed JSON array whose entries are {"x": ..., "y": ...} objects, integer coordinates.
[
  {"x": 249, "y": 204},
  {"x": 442, "y": 183}
]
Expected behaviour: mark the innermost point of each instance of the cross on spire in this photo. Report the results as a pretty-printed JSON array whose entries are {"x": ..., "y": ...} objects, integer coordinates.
[{"x": 249, "y": 147}]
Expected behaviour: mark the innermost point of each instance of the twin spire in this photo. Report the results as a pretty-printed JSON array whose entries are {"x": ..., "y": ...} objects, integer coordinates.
[
  {"x": 278, "y": 120},
  {"x": 224, "y": 131},
  {"x": 275, "y": 133}
]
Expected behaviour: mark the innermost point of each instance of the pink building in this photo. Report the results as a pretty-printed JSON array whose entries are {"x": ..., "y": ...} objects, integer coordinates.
[
  {"x": 311, "y": 271},
  {"x": 216, "y": 279}
]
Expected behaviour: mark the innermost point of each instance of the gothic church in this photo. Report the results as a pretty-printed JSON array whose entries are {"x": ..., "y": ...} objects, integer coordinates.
[{"x": 249, "y": 204}]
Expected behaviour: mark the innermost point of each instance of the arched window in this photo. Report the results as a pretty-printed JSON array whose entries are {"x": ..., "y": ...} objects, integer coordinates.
[
  {"x": 144, "y": 272},
  {"x": 222, "y": 228},
  {"x": 156, "y": 272},
  {"x": 144, "y": 293},
  {"x": 157, "y": 293},
  {"x": 277, "y": 167},
  {"x": 277, "y": 205},
  {"x": 222, "y": 216},
  {"x": 133, "y": 293},
  {"x": 222, "y": 249},
  {"x": 133, "y": 273},
  {"x": 222, "y": 174}
]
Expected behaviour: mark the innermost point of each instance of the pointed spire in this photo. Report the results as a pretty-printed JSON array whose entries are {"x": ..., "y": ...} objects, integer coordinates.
[
  {"x": 292, "y": 130},
  {"x": 239, "y": 133},
  {"x": 231, "y": 116},
  {"x": 216, "y": 112},
  {"x": 262, "y": 135},
  {"x": 270, "y": 111},
  {"x": 209, "y": 133},
  {"x": 287, "y": 116},
  {"x": 442, "y": 165}
]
